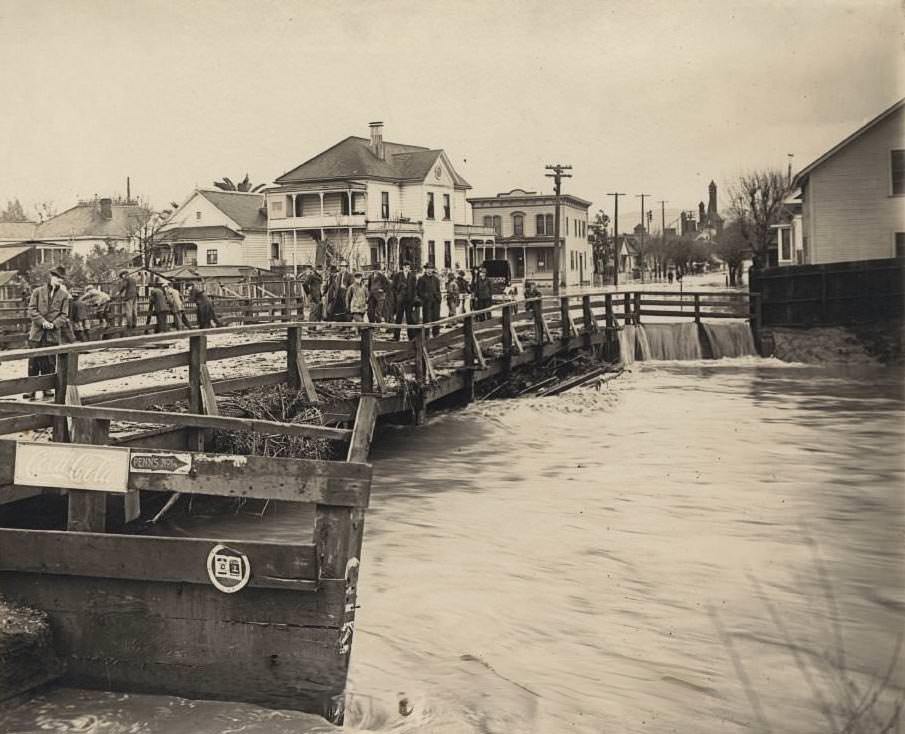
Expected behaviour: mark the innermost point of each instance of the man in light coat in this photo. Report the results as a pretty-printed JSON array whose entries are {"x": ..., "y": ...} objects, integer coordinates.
[{"x": 48, "y": 309}]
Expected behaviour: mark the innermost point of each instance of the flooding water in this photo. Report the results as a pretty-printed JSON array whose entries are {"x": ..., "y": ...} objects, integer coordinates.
[{"x": 698, "y": 547}]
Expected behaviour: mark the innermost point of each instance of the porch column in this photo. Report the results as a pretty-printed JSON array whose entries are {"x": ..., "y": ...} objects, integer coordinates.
[
  {"x": 293, "y": 203},
  {"x": 524, "y": 262},
  {"x": 350, "y": 202},
  {"x": 295, "y": 248},
  {"x": 322, "y": 204}
]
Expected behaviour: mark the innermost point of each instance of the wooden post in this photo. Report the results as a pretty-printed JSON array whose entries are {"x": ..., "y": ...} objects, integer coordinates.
[
  {"x": 637, "y": 308},
  {"x": 824, "y": 316},
  {"x": 608, "y": 305},
  {"x": 66, "y": 374},
  {"x": 589, "y": 324},
  {"x": 287, "y": 308},
  {"x": 419, "y": 355},
  {"x": 566, "y": 332},
  {"x": 298, "y": 376},
  {"x": 87, "y": 510},
  {"x": 627, "y": 309},
  {"x": 697, "y": 308},
  {"x": 469, "y": 358},
  {"x": 197, "y": 360},
  {"x": 507, "y": 337},
  {"x": 367, "y": 373}
]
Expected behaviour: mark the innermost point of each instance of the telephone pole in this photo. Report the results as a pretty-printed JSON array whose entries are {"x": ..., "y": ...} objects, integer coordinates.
[
  {"x": 558, "y": 175},
  {"x": 616, "y": 196},
  {"x": 663, "y": 203},
  {"x": 643, "y": 228}
]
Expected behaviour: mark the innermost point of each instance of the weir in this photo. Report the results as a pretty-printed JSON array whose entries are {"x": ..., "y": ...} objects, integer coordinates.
[{"x": 685, "y": 341}]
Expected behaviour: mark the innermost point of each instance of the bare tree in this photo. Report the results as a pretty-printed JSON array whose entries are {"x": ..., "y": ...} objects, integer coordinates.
[
  {"x": 14, "y": 212},
  {"x": 144, "y": 230},
  {"x": 45, "y": 210},
  {"x": 600, "y": 241},
  {"x": 755, "y": 201},
  {"x": 733, "y": 249}
]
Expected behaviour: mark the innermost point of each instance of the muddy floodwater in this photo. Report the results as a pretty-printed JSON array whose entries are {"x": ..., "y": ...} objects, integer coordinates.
[{"x": 698, "y": 547}]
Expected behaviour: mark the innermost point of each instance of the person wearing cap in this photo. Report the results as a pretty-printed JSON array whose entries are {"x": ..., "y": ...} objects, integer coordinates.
[
  {"x": 174, "y": 300},
  {"x": 48, "y": 310},
  {"x": 357, "y": 299},
  {"x": 158, "y": 308},
  {"x": 532, "y": 292},
  {"x": 378, "y": 287},
  {"x": 128, "y": 292},
  {"x": 430, "y": 296},
  {"x": 206, "y": 315},
  {"x": 464, "y": 290},
  {"x": 452, "y": 294},
  {"x": 405, "y": 291}
]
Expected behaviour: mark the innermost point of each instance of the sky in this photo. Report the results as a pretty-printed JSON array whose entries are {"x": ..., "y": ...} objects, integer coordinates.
[{"x": 654, "y": 97}]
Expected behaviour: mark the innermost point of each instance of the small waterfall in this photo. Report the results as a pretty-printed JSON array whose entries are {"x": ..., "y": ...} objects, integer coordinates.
[
  {"x": 730, "y": 339},
  {"x": 627, "y": 343},
  {"x": 671, "y": 341},
  {"x": 685, "y": 341}
]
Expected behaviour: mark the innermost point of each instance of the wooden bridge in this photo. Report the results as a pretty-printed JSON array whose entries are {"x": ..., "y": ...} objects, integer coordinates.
[{"x": 140, "y": 612}]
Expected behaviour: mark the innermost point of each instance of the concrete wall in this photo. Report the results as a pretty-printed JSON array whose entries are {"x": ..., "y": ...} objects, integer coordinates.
[{"x": 849, "y": 210}]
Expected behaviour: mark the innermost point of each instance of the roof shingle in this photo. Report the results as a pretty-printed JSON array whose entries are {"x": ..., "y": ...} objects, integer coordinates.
[{"x": 245, "y": 209}]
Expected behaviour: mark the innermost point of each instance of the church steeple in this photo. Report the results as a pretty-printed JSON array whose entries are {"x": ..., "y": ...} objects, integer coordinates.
[{"x": 711, "y": 203}]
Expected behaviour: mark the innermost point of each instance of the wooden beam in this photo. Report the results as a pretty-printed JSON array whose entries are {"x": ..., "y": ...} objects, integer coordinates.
[
  {"x": 224, "y": 475},
  {"x": 87, "y": 510},
  {"x": 150, "y": 558},
  {"x": 366, "y": 361},
  {"x": 363, "y": 431},
  {"x": 191, "y": 420}
]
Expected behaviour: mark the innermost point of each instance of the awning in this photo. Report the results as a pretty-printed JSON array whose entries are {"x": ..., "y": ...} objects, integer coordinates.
[{"x": 8, "y": 253}]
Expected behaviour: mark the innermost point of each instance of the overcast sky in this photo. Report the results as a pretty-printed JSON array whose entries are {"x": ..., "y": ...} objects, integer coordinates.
[{"x": 658, "y": 97}]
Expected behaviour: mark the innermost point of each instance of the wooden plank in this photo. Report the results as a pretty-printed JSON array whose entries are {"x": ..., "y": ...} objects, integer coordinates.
[
  {"x": 516, "y": 342},
  {"x": 192, "y": 420},
  {"x": 366, "y": 361},
  {"x": 377, "y": 371},
  {"x": 215, "y": 354},
  {"x": 131, "y": 367},
  {"x": 478, "y": 354},
  {"x": 209, "y": 398},
  {"x": 256, "y": 477},
  {"x": 363, "y": 431},
  {"x": 150, "y": 558},
  {"x": 20, "y": 385},
  {"x": 87, "y": 510}
]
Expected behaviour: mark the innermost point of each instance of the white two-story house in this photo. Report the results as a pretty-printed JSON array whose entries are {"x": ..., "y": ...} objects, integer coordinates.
[{"x": 372, "y": 203}]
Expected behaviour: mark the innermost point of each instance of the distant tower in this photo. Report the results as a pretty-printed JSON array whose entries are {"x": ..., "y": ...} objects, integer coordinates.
[
  {"x": 701, "y": 216},
  {"x": 683, "y": 224},
  {"x": 711, "y": 204}
]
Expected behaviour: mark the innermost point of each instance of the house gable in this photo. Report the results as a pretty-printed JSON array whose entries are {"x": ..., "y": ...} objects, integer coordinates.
[{"x": 198, "y": 211}]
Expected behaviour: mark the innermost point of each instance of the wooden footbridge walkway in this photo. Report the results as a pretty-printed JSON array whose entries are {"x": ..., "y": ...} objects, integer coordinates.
[{"x": 268, "y": 623}]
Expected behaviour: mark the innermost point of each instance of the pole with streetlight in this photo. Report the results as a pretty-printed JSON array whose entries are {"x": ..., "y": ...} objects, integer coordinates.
[{"x": 616, "y": 196}]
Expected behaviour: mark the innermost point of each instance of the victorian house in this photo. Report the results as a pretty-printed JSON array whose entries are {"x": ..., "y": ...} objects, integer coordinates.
[
  {"x": 370, "y": 203},
  {"x": 524, "y": 224}
]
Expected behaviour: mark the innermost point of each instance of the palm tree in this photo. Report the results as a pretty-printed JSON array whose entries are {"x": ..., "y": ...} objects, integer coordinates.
[{"x": 226, "y": 184}]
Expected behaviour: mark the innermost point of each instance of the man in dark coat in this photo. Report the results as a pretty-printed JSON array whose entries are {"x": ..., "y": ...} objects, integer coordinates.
[
  {"x": 464, "y": 290},
  {"x": 313, "y": 285},
  {"x": 430, "y": 297},
  {"x": 48, "y": 309},
  {"x": 207, "y": 318},
  {"x": 483, "y": 292},
  {"x": 128, "y": 292},
  {"x": 377, "y": 295},
  {"x": 159, "y": 308},
  {"x": 405, "y": 290}
]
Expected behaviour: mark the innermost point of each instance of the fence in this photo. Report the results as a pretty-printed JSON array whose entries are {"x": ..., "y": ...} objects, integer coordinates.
[{"x": 833, "y": 294}]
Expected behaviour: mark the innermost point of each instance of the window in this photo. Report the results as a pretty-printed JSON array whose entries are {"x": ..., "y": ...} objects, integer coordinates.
[
  {"x": 898, "y": 172},
  {"x": 211, "y": 257},
  {"x": 197, "y": 215},
  {"x": 384, "y": 204},
  {"x": 518, "y": 225},
  {"x": 430, "y": 205},
  {"x": 447, "y": 208},
  {"x": 900, "y": 244},
  {"x": 277, "y": 208},
  {"x": 496, "y": 223},
  {"x": 539, "y": 224},
  {"x": 541, "y": 261},
  {"x": 549, "y": 219},
  {"x": 299, "y": 205},
  {"x": 447, "y": 254},
  {"x": 572, "y": 259},
  {"x": 432, "y": 252},
  {"x": 488, "y": 221},
  {"x": 344, "y": 207},
  {"x": 785, "y": 244},
  {"x": 274, "y": 250},
  {"x": 358, "y": 203}
]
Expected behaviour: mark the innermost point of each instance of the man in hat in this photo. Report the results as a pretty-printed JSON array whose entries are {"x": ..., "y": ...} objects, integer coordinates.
[
  {"x": 356, "y": 299},
  {"x": 483, "y": 293},
  {"x": 464, "y": 290},
  {"x": 128, "y": 292},
  {"x": 158, "y": 307},
  {"x": 405, "y": 291},
  {"x": 48, "y": 309},
  {"x": 429, "y": 295}
]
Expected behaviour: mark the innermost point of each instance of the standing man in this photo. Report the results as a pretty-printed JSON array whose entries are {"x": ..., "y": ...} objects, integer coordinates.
[
  {"x": 377, "y": 295},
  {"x": 464, "y": 289},
  {"x": 405, "y": 291},
  {"x": 128, "y": 292},
  {"x": 207, "y": 318},
  {"x": 158, "y": 308},
  {"x": 483, "y": 292},
  {"x": 430, "y": 297},
  {"x": 48, "y": 309},
  {"x": 174, "y": 300},
  {"x": 452, "y": 294},
  {"x": 357, "y": 299}
]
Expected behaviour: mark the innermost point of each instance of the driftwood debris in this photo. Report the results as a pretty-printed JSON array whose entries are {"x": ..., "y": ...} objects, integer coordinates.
[{"x": 27, "y": 658}]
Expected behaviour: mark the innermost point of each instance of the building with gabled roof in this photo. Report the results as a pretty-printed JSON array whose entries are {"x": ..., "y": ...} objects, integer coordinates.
[
  {"x": 102, "y": 223},
  {"x": 372, "y": 202},
  {"x": 849, "y": 203},
  {"x": 214, "y": 228}
]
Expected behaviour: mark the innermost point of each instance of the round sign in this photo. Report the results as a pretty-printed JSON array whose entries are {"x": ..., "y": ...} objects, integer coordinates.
[{"x": 229, "y": 570}]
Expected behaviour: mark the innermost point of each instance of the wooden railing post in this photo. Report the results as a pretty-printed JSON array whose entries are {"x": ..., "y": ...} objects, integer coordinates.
[
  {"x": 627, "y": 309},
  {"x": 564, "y": 317},
  {"x": 67, "y": 366},
  {"x": 637, "y": 307},
  {"x": 87, "y": 509},
  {"x": 588, "y": 315},
  {"x": 507, "y": 336},
  {"x": 197, "y": 363},
  {"x": 418, "y": 345},
  {"x": 468, "y": 358},
  {"x": 697, "y": 308},
  {"x": 608, "y": 305},
  {"x": 367, "y": 372}
]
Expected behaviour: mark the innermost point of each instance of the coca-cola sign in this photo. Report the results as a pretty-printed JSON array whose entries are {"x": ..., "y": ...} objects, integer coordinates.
[{"x": 71, "y": 466}]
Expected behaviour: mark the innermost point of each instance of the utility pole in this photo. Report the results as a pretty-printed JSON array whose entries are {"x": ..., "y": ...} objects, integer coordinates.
[
  {"x": 663, "y": 203},
  {"x": 557, "y": 177},
  {"x": 616, "y": 196},
  {"x": 661, "y": 265},
  {"x": 641, "y": 264}
]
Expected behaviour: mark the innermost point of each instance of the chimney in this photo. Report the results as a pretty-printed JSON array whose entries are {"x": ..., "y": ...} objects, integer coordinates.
[
  {"x": 106, "y": 208},
  {"x": 377, "y": 140}
]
